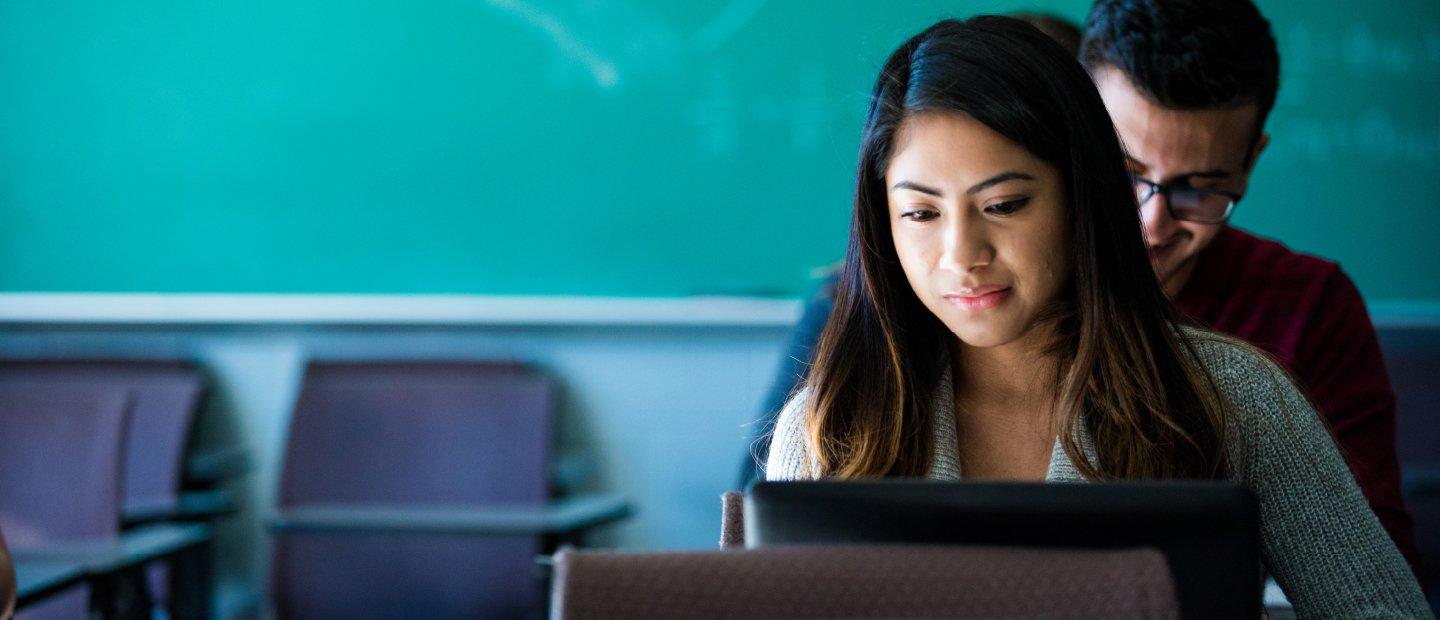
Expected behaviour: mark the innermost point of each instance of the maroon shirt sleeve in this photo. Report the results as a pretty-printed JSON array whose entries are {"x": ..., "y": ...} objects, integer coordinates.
[{"x": 1339, "y": 361}]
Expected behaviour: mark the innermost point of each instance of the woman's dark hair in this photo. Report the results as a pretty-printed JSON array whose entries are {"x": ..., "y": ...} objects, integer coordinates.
[
  {"x": 1061, "y": 30},
  {"x": 1125, "y": 368}
]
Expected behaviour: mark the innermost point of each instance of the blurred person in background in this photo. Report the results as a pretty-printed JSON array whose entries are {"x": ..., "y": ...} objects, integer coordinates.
[{"x": 1189, "y": 85}]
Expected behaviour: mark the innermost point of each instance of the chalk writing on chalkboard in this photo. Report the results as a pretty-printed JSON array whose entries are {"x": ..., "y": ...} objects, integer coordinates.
[
  {"x": 600, "y": 68},
  {"x": 581, "y": 35}
]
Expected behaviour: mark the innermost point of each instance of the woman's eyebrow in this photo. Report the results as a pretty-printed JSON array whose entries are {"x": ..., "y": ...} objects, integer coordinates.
[
  {"x": 998, "y": 179},
  {"x": 924, "y": 189},
  {"x": 978, "y": 187}
]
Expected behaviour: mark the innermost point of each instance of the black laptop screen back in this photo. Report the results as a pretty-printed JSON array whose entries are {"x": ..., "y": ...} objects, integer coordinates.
[{"x": 1209, "y": 532}]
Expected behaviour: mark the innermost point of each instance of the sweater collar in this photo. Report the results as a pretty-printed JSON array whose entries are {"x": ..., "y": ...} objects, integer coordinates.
[{"x": 946, "y": 462}]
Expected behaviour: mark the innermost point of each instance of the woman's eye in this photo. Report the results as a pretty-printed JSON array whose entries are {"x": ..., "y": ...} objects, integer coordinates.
[
  {"x": 918, "y": 216},
  {"x": 1008, "y": 207}
]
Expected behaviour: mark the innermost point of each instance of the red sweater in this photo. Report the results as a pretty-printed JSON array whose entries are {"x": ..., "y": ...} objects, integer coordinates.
[{"x": 1308, "y": 314}]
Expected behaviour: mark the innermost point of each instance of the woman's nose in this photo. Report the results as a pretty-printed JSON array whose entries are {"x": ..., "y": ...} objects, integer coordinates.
[{"x": 967, "y": 245}]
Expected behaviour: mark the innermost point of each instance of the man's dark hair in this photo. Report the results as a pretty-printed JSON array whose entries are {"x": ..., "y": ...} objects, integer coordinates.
[{"x": 1187, "y": 54}]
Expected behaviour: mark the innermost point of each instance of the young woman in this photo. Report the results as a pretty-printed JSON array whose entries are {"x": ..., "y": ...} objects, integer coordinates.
[{"x": 997, "y": 318}]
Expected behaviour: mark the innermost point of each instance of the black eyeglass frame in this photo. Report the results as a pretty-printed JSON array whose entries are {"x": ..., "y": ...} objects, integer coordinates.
[{"x": 1166, "y": 191}]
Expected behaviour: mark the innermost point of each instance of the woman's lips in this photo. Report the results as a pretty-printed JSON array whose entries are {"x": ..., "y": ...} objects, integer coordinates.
[{"x": 979, "y": 298}]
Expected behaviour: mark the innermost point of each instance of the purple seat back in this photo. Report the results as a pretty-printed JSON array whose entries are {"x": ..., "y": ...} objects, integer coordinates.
[
  {"x": 60, "y": 451},
  {"x": 1412, "y": 357},
  {"x": 865, "y": 581},
  {"x": 166, "y": 396},
  {"x": 412, "y": 434},
  {"x": 60, "y": 454}
]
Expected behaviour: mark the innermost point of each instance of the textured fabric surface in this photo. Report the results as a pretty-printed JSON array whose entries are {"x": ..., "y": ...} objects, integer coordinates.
[
  {"x": 1306, "y": 312},
  {"x": 865, "y": 582},
  {"x": 732, "y": 520},
  {"x": 61, "y": 454},
  {"x": 1319, "y": 538},
  {"x": 412, "y": 434},
  {"x": 165, "y": 397}
]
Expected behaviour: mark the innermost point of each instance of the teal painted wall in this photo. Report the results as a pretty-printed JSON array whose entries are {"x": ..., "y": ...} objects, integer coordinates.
[{"x": 610, "y": 147}]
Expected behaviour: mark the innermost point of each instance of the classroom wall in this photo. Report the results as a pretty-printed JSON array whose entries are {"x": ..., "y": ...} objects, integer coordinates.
[
  {"x": 661, "y": 409},
  {"x": 630, "y": 148}
]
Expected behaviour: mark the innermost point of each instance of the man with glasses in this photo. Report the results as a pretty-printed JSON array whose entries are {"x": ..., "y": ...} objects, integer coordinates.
[{"x": 1189, "y": 84}]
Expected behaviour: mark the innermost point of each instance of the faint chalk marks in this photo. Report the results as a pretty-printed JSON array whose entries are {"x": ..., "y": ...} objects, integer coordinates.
[
  {"x": 619, "y": 44},
  {"x": 719, "y": 114},
  {"x": 725, "y": 25},
  {"x": 716, "y": 117},
  {"x": 601, "y": 69},
  {"x": 808, "y": 113},
  {"x": 1373, "y": 136},
  {"x": 1323, "y": 67},
  {"x": 1359, "y": 50}
]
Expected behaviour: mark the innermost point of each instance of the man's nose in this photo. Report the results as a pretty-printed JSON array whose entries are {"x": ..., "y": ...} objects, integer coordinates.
[{"x": 1155, "y": 219}]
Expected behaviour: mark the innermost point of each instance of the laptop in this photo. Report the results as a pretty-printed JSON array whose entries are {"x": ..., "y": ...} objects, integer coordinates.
[{"x": 1209, "y": 532}]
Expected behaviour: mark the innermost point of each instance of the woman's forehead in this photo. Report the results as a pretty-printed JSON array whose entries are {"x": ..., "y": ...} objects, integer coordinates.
[{"x": 955, "y": 149}]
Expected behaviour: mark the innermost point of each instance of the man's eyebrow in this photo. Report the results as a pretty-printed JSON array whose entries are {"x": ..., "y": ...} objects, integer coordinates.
[
  {"x": 924, "y": 189},
  {"x": 1212, "y": 174},
  {"x": 1208, "y": 174}
]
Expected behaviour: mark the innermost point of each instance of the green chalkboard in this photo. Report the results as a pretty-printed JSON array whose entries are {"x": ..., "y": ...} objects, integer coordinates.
[{"x": 597, "y": 147}]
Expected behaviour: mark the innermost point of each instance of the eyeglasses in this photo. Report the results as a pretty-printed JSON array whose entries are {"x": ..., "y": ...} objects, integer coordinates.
[{"x": 1204, "y": 206}]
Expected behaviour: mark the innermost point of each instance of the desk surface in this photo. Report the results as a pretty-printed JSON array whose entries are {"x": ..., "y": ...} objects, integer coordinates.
[
  {"x": 557, "y": 517},
  {"x": 105, "y": 556},
  {"x": 37, "y": 579},
  {"x": 214, "y": 465},
  {"x": 190, "y": 505}
]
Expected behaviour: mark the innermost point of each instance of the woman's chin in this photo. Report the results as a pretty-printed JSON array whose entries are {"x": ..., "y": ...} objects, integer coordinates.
[{"x": 984, "y": 335}]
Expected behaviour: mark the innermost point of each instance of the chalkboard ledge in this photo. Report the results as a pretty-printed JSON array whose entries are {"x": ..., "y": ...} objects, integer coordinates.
[
  {"x": 397, "y": 310},
  {"x": 160, "y": 309}
]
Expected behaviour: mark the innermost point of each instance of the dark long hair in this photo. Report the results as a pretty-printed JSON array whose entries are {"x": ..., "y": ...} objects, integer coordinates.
[{"x": 1126, "y": 369}]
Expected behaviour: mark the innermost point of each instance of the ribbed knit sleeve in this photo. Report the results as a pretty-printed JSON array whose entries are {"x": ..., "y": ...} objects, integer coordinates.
[
  {"x": 1320, "y": 539},
  {"x": 789, "y": 459}
]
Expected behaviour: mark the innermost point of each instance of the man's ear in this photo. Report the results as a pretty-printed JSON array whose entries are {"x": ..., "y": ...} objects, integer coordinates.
[{"x": 1260, "y": 145}]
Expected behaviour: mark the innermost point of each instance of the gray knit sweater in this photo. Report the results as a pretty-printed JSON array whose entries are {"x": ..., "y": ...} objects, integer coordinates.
[{"x": 1319, "y": 538}]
